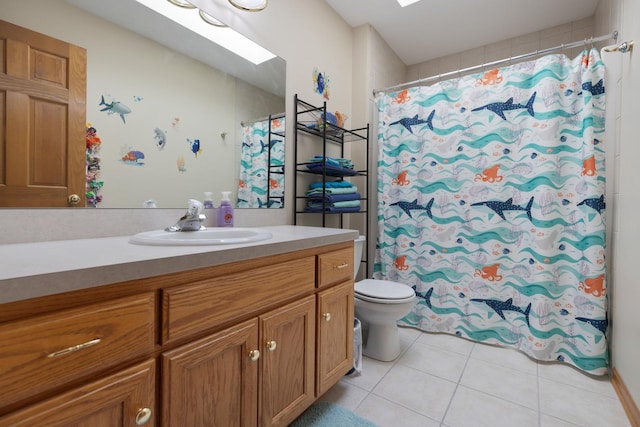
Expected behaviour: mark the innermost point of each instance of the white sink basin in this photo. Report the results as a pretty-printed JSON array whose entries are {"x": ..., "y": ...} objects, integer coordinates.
[{"x": 210, "y": 236}]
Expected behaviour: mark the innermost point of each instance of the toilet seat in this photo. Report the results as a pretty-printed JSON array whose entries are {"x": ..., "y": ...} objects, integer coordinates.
[{"x": 383, "y": 291}]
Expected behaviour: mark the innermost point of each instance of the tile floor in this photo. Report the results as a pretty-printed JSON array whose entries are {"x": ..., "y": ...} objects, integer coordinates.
[{"x": 441, "y": 380}]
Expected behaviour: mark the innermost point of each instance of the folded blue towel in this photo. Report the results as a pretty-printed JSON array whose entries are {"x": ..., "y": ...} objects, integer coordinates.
[
  {"x": 331, "y": 198},
  {"x": 331, "y": 184},
  {"x": 318, "y": 191},
  {"x": 343, "y": 204},
  {"x": 331, "y": 209}
]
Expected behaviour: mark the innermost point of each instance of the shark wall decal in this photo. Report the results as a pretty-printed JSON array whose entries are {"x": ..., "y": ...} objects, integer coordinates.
[
  {"x": 115, "y": 107},
  {"x": 500, "y": 107},
  {"x": 415, "y": 121},
  {"x": 501, "y": 306},
  {"x": 499, "y": 207},
  {"x": 407, "y": 207},
  {"x": 594, "y": 203},
  {"x": 595, "y": 89},
  {"x": 600, "y": 325}
]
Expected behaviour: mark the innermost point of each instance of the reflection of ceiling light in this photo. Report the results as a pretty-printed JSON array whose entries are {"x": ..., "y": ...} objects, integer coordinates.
[
  {"x": 249, "y": 5},
  {"x": 225, "y": 37},
  {"x": 211, "y": 20},
  {"x": 181, "y": 3},
  {"x": 402, "y": 3}
]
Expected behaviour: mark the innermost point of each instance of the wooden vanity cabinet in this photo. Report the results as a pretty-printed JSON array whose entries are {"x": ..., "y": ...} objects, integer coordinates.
[
  {"x": 335, "y": 335},
  {"x": 124, "y": 399},
  {"x": 213, "y": 381},
  {"x": 252, "y": 343}
]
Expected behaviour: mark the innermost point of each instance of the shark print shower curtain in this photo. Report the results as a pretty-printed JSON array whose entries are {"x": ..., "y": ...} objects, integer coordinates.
[
  {"x": 255, "y": 155},
  {"x": 491, "y": 206}
]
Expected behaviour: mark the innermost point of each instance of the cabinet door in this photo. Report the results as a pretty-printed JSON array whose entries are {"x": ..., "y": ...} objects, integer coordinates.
[
  {"x": 126, "y": 398},
  {"x": 213, "y": 381},
  {"x": 288, "y": 339},
  {"x": 335, "y": 335}
]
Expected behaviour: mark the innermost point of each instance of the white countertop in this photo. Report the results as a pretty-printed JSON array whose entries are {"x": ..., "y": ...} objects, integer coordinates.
[{"x": 32, "y": 270}]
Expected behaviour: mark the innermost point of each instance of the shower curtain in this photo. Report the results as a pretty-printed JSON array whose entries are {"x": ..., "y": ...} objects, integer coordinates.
[
  {"x": 491, "y": 206},
  {"x": 254, "y": 160}
]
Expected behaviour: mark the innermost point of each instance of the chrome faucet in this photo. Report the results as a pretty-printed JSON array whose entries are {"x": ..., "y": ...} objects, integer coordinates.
[{"x": 192, "y": 220}]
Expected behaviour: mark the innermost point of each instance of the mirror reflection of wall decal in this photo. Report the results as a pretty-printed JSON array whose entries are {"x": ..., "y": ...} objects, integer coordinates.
[
  {"x": 195, "y": 146},
  {"x": 93, "y": 167},
  {"x": 171, "y": 80},
  {"x": 182, "y": 164},
  {"x": 132, "y": 157},
  {"x": 160, "y": 137},
  {"x": 114, "y": 107}
]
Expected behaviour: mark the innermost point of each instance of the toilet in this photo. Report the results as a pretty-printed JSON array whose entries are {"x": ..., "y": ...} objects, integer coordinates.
[{"x": 379, "y": 304}]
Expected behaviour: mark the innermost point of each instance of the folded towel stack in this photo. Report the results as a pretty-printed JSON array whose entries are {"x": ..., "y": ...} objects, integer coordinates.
[
  {"x": 334, "y": 161},
  {"x": 334, "y": 196}
]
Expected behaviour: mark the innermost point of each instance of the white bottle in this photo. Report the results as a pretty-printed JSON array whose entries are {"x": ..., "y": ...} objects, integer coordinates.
[{"x": 208, "y": 200}]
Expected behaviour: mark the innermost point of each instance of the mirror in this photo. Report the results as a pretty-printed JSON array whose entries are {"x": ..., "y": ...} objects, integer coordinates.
[{"x": 166, "y": 105}]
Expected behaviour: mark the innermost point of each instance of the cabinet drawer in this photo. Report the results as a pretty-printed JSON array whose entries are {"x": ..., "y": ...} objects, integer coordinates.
[
  {"x": 203, "y": 305},
  {"x": 47, "y": 351},
  {"x": 335, "y": 267}
]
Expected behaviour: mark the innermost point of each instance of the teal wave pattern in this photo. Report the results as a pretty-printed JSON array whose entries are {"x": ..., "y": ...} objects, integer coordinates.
[{"x": 491, "y": 208}]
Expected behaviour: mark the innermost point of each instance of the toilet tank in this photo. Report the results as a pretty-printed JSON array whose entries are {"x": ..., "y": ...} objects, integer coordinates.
[{"x": 357, "y": 253}]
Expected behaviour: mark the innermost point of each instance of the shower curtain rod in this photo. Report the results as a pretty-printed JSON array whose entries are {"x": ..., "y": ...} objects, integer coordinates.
[
  {"x": 262, "y": 119},
  {"x": 467, "y": 70}
]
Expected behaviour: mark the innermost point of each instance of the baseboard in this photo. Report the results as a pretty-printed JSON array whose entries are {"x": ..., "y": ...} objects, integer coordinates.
[{"x": 628, "y": 404}]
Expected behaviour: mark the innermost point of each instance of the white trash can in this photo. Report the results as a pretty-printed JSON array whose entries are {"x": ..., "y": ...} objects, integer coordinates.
[{"x": 357, "y": 348}]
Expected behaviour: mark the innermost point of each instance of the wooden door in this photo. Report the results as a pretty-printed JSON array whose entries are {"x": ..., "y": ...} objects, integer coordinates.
[
  {"x": 335, "y": 335},
  {"x": 42, "y": 119},
  {"x": 213, "y": 381},
  {"x": 287, "y": 335},
  {"x": 126, "y": 399}
]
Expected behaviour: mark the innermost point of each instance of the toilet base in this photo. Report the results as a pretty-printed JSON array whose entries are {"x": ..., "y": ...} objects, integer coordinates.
[{"x": 382, "y": 343}]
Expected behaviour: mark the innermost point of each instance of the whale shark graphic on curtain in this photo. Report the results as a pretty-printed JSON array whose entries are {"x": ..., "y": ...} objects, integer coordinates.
[
  {"x": 415, "y": 121},
  {"x": 500, "y": 107},
  {"x": 407, "y": 207},
  {"x": 498, "y": 224},
  {"x": 499, "y": 207}
]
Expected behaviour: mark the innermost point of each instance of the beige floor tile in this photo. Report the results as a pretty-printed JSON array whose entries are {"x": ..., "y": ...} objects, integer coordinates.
[
  {"x": 504, "y": 356},
  {"x": 447, "y": 342},
  {"x": 505, "y": 383},
  {"x": 372, "y": 372},
  {"x": 549, "y": 421},
  {"x": 581, "y": 407},
  {"x": 567, "y": 374},
  {"x": 389, "y": 414},
  {"x": 345, "y": 394},
  {"x": 416, "y": 390},
  {"x": 473, "y": 408},
  {"x": 435, "y": 361}
]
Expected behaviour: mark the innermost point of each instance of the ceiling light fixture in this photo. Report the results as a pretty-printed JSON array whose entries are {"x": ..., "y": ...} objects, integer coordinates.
[
  {"x": 402, "y": 3},
  {"x": 249, "y": 5},
  {"x": 211, "y": 20},
  {"x": 181, "y": 3},
  {"x": 225, "y": 37}
]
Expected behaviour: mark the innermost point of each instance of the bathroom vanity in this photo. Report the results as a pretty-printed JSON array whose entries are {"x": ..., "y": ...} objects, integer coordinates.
[{"x": 235, "y": 335}]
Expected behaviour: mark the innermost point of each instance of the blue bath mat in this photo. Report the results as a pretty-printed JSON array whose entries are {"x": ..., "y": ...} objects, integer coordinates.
[{"x": 326, "y": 414}]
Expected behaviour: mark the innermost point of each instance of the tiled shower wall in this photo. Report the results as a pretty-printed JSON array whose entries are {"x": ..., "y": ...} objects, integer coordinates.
[{"x": 551, "y": 37}]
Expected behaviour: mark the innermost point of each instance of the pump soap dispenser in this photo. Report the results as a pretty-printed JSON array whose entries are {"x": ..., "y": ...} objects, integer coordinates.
[{"x": 225, "y": 211}]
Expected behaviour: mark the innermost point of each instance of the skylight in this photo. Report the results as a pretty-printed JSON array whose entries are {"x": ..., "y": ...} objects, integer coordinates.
[{"x": 225, "y": 37}]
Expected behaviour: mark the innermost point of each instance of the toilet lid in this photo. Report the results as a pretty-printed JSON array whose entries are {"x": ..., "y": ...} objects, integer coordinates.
[{"x": 383, "y": 289}]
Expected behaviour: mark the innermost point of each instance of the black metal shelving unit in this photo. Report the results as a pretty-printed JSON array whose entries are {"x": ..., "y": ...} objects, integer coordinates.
[{"x": 311, "y": 120}]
